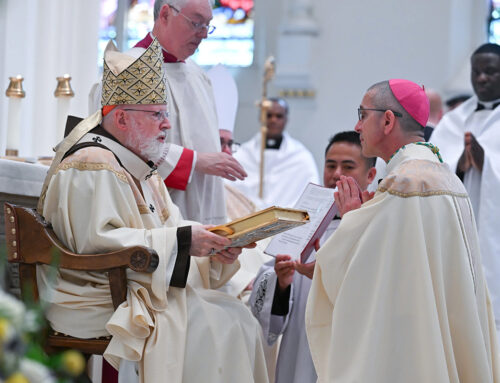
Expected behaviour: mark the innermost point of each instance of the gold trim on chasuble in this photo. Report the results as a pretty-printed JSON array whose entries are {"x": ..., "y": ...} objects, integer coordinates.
[
  {"x": 163, "y": 214},
  {"x": 422, "y": 178},
  {"x": 143, "y": 209},
  {"x": 123, "y": 176},
  {"x": 91, "y": 166}
]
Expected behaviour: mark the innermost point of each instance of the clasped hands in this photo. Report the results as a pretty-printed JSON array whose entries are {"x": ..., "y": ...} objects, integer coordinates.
[
  {"x": 205, "y": 243},
  {"x": 349, "y": 195},
  {"x": 473, "y": 154}
]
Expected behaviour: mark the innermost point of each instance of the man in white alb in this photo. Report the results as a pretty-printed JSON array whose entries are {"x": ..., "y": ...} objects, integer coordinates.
[
  {"x": 469, "y": 140},
  {"x": 288, "y": 165}
]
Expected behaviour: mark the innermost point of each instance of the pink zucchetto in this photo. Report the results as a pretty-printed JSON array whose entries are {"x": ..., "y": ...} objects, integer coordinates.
[{"x": 412, "y": 98}]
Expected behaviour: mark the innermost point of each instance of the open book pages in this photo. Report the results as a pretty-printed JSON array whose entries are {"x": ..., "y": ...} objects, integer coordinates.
[
  {"x": 262, "y": 224},
  {"x": 319, "y": 202}
]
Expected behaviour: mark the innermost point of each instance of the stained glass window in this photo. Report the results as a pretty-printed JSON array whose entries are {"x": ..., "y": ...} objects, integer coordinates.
[
  {"x": 107, "y": 29},
  {"x": 494, "y": 24},
  {"x": 140, "y": 21},
  {"x": 232, "y": 42}
]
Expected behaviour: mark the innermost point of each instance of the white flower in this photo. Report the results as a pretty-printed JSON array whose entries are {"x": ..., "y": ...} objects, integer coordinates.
[
  {"x": 31, "y": 321},
  {"x": 11, "y": 308},
  {"x": 36, "y": 372}
]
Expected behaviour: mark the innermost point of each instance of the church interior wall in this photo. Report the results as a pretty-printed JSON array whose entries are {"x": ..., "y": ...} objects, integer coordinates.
[
  {"x": 356, "y": 43},
  {"x": 44, "y": 40},
  {"x": 3, "y": 59},
  {"x": 362, "y": 42}
]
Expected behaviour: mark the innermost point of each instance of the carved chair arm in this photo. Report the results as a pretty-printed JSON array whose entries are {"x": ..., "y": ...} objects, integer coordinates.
[
  {"x": 31, "y": 241},
  {"x": 37, "y": 243}
]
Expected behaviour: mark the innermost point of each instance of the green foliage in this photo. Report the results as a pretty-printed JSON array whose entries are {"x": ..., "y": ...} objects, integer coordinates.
[{"x": 21, "y": 352}]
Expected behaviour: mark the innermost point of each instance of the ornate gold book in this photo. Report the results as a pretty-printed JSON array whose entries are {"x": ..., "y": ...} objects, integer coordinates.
[{"x": 262, "y": 224}]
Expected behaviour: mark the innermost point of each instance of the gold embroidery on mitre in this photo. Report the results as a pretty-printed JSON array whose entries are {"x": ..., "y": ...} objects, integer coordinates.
[{"x": 142, "y": 82}]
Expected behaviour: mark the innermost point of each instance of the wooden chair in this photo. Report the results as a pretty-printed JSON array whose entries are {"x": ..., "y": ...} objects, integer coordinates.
[{"x": 31, "y": 241}]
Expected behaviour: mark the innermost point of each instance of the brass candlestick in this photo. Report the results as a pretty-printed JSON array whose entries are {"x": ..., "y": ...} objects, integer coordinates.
[
  {"x": 63, "y": 88},
  {"x": 15, "y": 88},
  {"x": 63, "y": 94}
]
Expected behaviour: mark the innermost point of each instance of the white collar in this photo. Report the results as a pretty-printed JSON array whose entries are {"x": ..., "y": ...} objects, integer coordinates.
[
  {"x": 489, "y": 104},
  {"x": 130, "y": 161}
]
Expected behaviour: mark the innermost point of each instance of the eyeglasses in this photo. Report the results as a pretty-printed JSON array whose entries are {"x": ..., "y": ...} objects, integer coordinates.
[
  {"x": 233, "y": 146},
  {"x": 361, "y": 110},
  {"x": 197, "y": 26},
  {"x": 157, "y": 115}
]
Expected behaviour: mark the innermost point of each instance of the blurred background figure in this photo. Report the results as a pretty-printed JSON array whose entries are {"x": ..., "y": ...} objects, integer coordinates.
[
  {"x": 469, "y": 140},
  {"x": 436, "y": 112},
  {"x": 455, "y": 101},
  {"x": 288, "y": 165}
]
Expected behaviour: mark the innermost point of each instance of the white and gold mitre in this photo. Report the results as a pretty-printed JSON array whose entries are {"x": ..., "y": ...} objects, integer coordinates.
[{"x": 129, "y": 80}]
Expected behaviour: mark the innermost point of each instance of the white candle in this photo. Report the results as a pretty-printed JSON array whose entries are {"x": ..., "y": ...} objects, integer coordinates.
[
  {"x": 14, "y": 123},
  {"x": 63, "y": 93},
  {"x": 62, "y": 116}
]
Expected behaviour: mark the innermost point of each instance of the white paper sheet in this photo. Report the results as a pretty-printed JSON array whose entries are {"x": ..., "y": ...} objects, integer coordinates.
[{"x": 318, "y": 201}]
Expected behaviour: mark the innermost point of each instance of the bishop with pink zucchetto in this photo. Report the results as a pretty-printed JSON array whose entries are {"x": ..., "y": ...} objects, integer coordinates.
[{"x": 398, "y": 293}]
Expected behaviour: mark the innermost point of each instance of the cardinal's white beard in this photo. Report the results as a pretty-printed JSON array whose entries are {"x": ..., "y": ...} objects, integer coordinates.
[{"x": 150, "y": 149}]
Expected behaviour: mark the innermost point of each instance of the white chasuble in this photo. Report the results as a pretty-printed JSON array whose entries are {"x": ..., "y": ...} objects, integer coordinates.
[
  {"x": 294, "y": 364},
  {"x": 483, "y": 187},
  {"x": 398, "y": 293},
  {"x": 287, "y": 171},
  {"x": 189, "y": 334}
]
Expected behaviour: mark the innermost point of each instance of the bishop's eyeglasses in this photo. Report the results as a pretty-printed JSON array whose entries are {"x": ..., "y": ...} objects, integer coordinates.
[{"x": 361, "y": 110}]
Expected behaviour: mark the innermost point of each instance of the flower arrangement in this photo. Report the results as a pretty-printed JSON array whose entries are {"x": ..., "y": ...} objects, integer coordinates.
[{"x": 22, "y": 359}]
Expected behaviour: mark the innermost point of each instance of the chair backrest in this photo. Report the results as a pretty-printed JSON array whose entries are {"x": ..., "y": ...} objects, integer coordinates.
[{"x": 31, "y": 241}]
